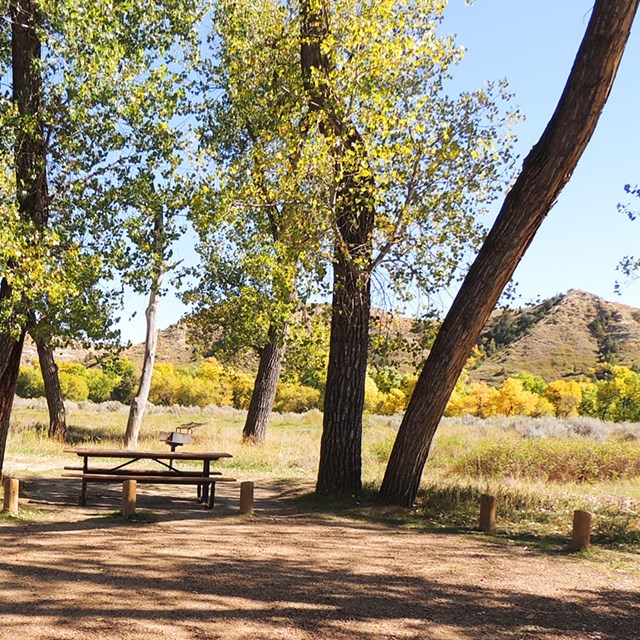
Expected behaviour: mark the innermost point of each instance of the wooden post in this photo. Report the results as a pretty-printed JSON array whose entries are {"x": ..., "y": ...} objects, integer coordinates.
[
  {"x": 581, "y": 536},
  {"x": 128, "y": 498},
  {"x": 246, "y": 497},
  {"x": 487, "y": 512},
  {"x": 11, "y": 493}
]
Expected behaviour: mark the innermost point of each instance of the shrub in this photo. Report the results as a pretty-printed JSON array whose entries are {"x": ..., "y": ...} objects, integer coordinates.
[
  {"x": 565, "y": 397},
  {"x": 195, "y": 392},
  {"x": 126, "y": 383},
  {"x": 296, "y": 398},
  {"x": 73, "y": 386},
  {"x": 217, "y": 378},
  {"x": 372, "y": 395},
  {"x": 241, "y": 389},
  {"x": 393, "y": 402},
  {"x": 30, "y": 383},
  {"x": 558, "y": 460},
  {"x": 100, "y": 385},
  {"x": 165, "y": 385}
]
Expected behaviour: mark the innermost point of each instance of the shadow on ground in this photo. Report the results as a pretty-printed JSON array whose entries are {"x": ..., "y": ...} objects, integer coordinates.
[{"x": 289, "y": 566}]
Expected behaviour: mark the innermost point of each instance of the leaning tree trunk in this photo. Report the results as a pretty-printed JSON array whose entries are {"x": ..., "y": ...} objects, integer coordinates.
[
  {"x": 544, "y": 173},
  {"x": 139, "y": 402},
  {"x": 339, "y": 470},
  {"x": 52, "y": 390},
  {"x": 264, "y": 388}
]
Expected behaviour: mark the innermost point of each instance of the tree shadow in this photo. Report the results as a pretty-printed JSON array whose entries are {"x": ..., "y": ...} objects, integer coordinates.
[{"x": 324, "y": 600}]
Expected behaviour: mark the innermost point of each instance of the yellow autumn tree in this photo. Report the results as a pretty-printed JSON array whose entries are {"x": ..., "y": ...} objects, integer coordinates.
[{"x": 565, "y": 397}]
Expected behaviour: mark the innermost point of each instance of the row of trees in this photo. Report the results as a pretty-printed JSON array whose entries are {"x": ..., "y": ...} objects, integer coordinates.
[
  {"x": 331, "y": 156},
  {"x": 612, "y": 394}
]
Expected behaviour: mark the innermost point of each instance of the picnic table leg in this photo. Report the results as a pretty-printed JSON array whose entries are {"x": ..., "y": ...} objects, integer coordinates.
[
  {"x": 212, "y": 495},
  {"x": 204, "y": 489},
  {"x": 83, "y": 494}
]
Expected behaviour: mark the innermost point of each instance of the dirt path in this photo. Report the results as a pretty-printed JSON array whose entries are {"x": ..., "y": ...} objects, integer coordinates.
[{"x": 282, "y": 575}]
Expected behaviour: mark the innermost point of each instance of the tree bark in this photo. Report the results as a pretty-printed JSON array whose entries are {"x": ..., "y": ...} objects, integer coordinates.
[
  {"x": 30, "y": 150},
  {"x": 10, "y": 353},
  {"x": 139, "y": 402},
  {"x": 264, "y": 388},
  {"x": 31, "y": 179},
  {"x": 339, "y": 470},
  {"x": 53, "y": 392},
  {"x": 545, "y": 171}
]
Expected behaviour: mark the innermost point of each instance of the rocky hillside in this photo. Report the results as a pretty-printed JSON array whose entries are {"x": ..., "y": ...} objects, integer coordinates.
[{"x": 566, "y": 336}]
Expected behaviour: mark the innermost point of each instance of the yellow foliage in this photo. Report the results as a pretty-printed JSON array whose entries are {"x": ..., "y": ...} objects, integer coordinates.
[
  {"x": 373, "y": 397},
  {"x": 485, "y": 397},
  {"x": 514, "y": 399},
  {"x": 296, "y": 398},
  {"x": 393, "y": 402},
  {"x": 462, "y": 402},
  {"x": 565, "y": 397}
]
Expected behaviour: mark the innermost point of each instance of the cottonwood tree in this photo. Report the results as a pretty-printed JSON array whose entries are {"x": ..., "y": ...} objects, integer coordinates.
[
  {"x": 69, "y": 122},
  {"x": 260, "y": 235},
  {"x": 29, "y": 213},
  {"x": 410, "y": 167},
  {"x": 545, "y": 171}
]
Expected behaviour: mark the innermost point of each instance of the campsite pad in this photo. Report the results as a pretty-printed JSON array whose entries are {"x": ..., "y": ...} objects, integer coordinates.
[{"x": 287, "y": 573}]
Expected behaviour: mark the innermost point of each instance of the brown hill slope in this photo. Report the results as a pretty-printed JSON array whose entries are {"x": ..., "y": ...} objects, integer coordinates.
[
  {"x": 566, "y": 336},
  {"x": 569, "y": 339}
]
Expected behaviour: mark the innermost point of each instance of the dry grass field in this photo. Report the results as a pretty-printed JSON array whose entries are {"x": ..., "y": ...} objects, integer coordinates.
[{"x": 301, "y": 568}]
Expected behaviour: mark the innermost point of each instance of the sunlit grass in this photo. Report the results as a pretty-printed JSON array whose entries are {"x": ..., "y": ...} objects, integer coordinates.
[{"x": 539, "y": 471}]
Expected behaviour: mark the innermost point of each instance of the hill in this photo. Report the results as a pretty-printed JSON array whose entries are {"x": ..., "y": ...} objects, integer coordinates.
[{"x": 564, "y": 337}]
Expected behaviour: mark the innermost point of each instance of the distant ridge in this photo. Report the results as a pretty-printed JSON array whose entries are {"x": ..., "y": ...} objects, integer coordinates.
[
  {"x": 566, "y": 336},
  {"x": 576, "y": 333}
]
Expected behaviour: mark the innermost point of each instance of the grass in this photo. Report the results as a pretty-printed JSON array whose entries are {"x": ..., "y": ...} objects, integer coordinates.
[{"x": 540, "y": 471}]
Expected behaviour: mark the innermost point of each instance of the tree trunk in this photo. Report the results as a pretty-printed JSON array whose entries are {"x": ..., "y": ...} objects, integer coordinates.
[
  {"x": 545, "y": 171},
  {"x": 30, "y": 169},
  {"x": 139, "y": 402},
  {"x": 10, "y": 353},
  {"x": 30, "y": 149},
  {"x": 264, "y": 388},
  {"x": 340, "y": 465},
  {"x": 53, "y": 392}
]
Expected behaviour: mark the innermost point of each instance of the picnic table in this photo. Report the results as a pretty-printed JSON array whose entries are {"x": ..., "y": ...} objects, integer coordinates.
[{"x": 168, "y": 472}]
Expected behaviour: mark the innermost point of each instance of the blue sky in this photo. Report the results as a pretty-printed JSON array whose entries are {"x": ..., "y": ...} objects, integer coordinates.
[{"x": 533, "y": 45}]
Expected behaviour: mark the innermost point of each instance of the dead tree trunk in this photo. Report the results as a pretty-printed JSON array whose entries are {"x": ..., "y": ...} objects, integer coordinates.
[
  {"x": 264, "y": 388},
  {"x": 544, "y": 173},
  {"x": 53, "y": 392}
]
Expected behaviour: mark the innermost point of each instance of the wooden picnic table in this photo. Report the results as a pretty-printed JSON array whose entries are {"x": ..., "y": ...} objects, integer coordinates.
[{"x": 169, "y": 473}]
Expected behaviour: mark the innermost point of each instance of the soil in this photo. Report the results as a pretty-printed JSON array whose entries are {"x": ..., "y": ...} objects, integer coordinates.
[{"x": 181, "y": 572}]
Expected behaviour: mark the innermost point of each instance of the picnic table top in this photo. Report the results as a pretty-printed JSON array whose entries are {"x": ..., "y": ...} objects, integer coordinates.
[{"x": 147, "y": 455}]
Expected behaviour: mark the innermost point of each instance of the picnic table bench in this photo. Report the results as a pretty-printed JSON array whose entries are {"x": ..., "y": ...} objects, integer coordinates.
[{"x": 205, "y": 480}]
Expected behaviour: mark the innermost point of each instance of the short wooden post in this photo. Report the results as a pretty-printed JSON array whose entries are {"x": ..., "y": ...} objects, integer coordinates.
[
  {"x": 581, "y": 536},
  {"x": 11, "y": 493},
  {"x": 246, "y": 497},
  {"x": 487, "y": 512},
  {"x": 128, "y": 497}
]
